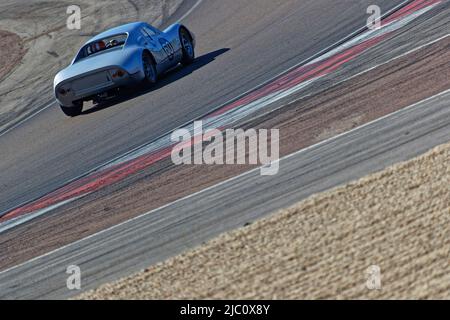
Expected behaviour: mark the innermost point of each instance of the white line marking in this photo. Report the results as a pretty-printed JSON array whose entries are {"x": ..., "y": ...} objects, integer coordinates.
[
  {"x": 190, "y": 10},
  {"x": 398, "y": 57},
  {"x": 393, "y": 114},
  {"x": 9, "y": 224},
  {"x": 26, "y": 119},
  {"x": 391, "y": 27},
  {"x": 351, "y": 77}
]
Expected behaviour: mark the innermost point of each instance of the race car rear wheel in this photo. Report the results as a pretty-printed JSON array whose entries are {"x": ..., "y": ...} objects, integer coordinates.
[
  {"x": 73, "y": 111},
  {"x": 187, "y": 47},
  {"x": 149, "y": 68}
]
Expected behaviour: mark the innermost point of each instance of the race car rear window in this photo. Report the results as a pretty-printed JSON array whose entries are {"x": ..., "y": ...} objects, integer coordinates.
[{"x": 102, "y": 45}]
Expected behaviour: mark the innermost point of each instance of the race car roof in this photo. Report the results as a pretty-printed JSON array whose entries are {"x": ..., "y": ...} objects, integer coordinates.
[{"x": 117, "y": 30}]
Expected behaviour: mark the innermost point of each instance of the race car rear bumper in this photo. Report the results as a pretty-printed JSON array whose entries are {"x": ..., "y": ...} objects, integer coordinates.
[{"x": 86, "y": 87}]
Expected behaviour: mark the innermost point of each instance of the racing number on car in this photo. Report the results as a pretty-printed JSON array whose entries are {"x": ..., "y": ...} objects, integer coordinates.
[{"x": 168, "y": 48}]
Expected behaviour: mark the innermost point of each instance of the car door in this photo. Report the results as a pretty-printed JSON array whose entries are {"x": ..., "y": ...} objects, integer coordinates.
[
  {"x": 152, "y": 44},
  {"x": 165, "y": 48}
]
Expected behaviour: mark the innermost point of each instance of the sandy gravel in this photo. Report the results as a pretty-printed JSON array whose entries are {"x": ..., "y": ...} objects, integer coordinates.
[
  {"x": 397, "y": 219},
  {"x": 11, "y": 52},
  {"x": 50, "y": 46}
]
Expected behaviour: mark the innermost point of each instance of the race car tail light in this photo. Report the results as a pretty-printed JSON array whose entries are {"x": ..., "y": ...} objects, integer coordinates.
[
  {"x": 63, "y": 91},
  {"x": 117, "y": 74}
]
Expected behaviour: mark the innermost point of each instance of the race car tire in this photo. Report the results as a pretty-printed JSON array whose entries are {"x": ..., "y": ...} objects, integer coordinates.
[
  {"x": 187, "y": 47},
  {"x": 149, "y": 68},
  {"x": 73, "y": 111}
]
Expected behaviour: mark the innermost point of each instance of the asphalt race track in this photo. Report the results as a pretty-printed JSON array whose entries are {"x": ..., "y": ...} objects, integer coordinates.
[
  {"x": 165, "y": 232},
  {"x": 241, "y": 44}
]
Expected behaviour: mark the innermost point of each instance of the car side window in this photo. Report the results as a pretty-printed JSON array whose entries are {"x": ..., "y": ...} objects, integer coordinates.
[
  {"x": 151, "y": 32},
  {"x": 148, "y": 34},
  {"x": 145, "y": 34}
]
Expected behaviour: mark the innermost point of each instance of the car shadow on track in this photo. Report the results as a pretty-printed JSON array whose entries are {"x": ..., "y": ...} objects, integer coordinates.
[{"x": 171, "y": 76}]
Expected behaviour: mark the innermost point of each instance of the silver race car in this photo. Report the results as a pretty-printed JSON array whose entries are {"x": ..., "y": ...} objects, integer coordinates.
[{"x": 125, "y": 55}]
